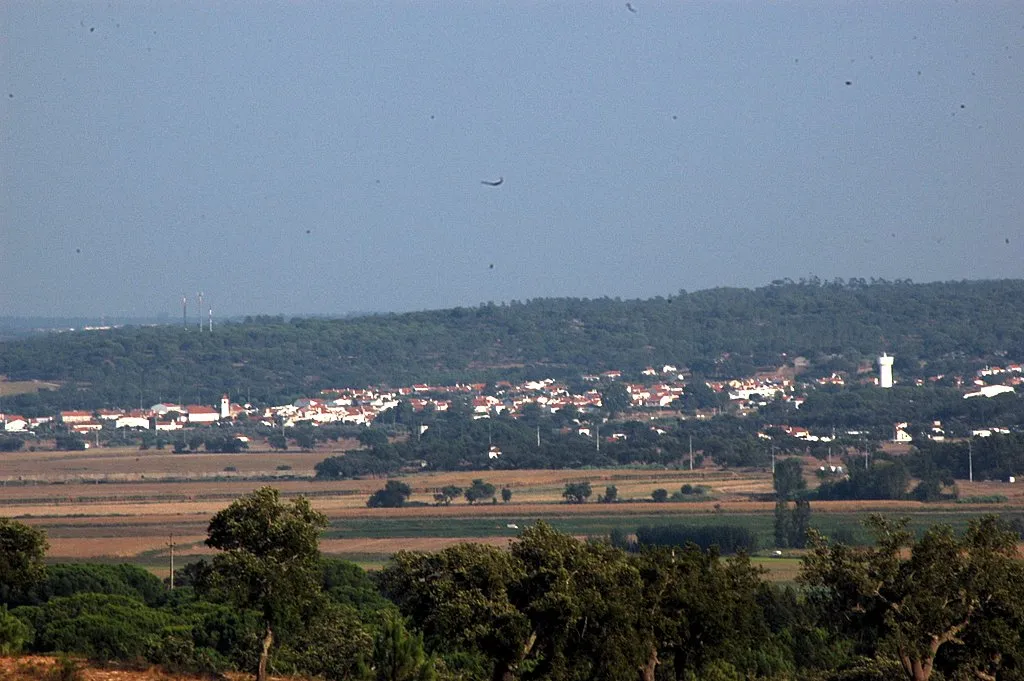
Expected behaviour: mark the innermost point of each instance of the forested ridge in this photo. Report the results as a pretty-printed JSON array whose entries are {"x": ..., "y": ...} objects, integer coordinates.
[{"x": 933, "y": 327}]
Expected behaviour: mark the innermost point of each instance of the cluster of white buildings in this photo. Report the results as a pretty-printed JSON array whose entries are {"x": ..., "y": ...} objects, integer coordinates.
[
  {"x": 163, "y": 416},
  {"x": 662, "y": 388},
  {"x": 362, "y": 406}
]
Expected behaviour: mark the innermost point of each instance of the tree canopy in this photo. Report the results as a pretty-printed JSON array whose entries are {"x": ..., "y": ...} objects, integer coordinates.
[
  {"x": 22, "y": 550},
  {"x": 270, "y": 557},
  {"x": 938, "y": 600}
]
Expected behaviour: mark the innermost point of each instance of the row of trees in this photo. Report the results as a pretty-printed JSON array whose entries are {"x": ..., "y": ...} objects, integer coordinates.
[
  {"x": 396, "y": 493},
  {"x": 551, "y": 607}
]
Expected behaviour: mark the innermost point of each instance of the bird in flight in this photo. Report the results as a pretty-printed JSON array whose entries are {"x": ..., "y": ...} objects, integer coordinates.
[
  {"x": 630, "y": 7},
  {"x": 496, "y": 183}
]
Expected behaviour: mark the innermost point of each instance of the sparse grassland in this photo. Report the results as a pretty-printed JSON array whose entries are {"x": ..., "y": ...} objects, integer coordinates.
[{"x": 21, "y": 387}]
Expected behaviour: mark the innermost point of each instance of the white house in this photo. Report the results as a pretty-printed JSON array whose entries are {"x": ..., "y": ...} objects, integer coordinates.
[
  {"x": 69, "y": 417},
  {"x": 197, "y": 413},
  {"x": 990, "y": 391},
  {"x": 164, "y": 407},
  {"x": 15, "y": 424},
  {"x": 132, "y": 422},
  {"x": 900, "y": 433}
]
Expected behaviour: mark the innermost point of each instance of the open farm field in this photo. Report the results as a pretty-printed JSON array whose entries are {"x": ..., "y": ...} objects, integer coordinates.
[
  {"x": 130, "y": 464},
  {"x": 131, "y": 518}
]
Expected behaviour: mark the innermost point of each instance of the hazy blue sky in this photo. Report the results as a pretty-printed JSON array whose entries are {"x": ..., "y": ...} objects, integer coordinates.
[{"x": 327, "y": 156}]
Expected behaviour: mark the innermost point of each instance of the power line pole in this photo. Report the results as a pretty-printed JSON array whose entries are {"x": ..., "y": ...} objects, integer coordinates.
[
  {"x": 970, "y": 461},
  {"x": 691, "y": 452},
  {"x": 170, "y": 545}
]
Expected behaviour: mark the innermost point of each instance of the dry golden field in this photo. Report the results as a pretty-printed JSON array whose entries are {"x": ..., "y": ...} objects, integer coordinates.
[{"x": 22, "y": 387}]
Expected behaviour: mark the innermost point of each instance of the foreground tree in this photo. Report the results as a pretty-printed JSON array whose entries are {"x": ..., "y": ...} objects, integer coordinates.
[
  {"x": 22, "y": 550},
  {"x": 270, "y": 558},
  {"x": 697, "y": 610},
  {"x": 581, "y": 601},
  {"x": 459, "y": 597},
  {"x": 940, "y": 597}
]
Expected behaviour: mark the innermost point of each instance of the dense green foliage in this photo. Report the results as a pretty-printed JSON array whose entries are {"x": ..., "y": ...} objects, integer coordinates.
[
  {"x": 269, "y": 560},
  {"x": 22, "y": 549},
  {"x": 953, "y": 604},
  {"x": 882, "y": 480},
  {"x": 67, "y": 579},
  {"x": 993, "y": 458},
  {"x": 456, "y": 441},
  {"x": 727, "y": 539},
  {"x": 551, "y": 607},
  {"x": 719, "y": 332},
  {"x": 873, "y": 410}
]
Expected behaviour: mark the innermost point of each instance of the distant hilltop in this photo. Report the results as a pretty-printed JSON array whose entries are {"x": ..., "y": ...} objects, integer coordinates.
[{"x": 816, "y": 327}]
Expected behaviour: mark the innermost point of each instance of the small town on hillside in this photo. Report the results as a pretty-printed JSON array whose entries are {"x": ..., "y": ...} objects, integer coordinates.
[{"x": 650, "y": 399}]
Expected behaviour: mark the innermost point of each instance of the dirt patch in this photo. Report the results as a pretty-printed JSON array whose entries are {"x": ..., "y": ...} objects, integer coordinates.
[
  {"x": 36, "y": 667},
  {"x": 22, "y": 387}
]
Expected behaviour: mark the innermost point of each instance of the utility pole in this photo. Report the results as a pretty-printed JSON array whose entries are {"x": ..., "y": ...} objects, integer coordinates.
[
  {"x": 538, "y": 437},
  {"x": 597, "y": 436},
  {"x": 773, "y": 460},
  {"x": 691, "y": 452},
  {"x": 970, "y": 461},
  {"x": 170, "y": 545}
]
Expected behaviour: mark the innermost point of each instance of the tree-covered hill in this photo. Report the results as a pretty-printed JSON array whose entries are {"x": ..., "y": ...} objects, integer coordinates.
[{"x": 931, "y": 328}]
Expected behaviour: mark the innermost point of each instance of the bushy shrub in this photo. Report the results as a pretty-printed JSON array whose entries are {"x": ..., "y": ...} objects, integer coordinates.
[
  {"x": 14, "y": 633},
  {"x": 99, "y": 626},
  {"x": 68, "y": 579}
]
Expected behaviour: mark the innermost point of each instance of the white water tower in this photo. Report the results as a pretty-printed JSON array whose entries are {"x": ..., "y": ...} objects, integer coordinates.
[
  {"x": 885, "y": 371},
  {"x": 225, "y": 407}
]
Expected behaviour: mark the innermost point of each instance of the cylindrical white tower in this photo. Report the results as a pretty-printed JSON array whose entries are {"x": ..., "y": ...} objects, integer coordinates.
[
  {"x": 885, "y": 371},
  {"x": 225, "y": 407}
]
